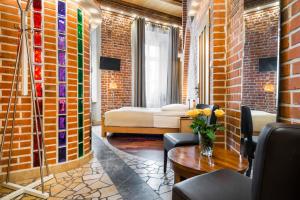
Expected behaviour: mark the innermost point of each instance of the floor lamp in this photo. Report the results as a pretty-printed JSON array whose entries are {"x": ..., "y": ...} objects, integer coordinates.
[
  {"x": 268, "y": 89},
  {"x": 23, "y": 60},
  {"x": 113, "y": 87}
]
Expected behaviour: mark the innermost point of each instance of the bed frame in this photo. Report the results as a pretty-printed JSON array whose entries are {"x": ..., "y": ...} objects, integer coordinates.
[{"x": 135, "y": 130}]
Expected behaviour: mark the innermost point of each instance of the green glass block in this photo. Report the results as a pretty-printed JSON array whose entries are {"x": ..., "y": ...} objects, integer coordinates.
[
  {"x": 79, "y": 16},
  {"x": 80, "y": 76},
  {"x": 80, "y": 120},
  {"x": 80, "y": 46},
  {"x": 79, "y": 31},
  {"x": 80, "y": 150},
  {"x": 80, "y": 105},
  {"x": 80, "y": 135},
  {"x": 80, "y": 61},
  {"x": 80, "y": 91}
]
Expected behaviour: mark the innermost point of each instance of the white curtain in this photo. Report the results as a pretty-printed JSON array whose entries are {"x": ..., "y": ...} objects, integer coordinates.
[{"x": 156, "y": 65}]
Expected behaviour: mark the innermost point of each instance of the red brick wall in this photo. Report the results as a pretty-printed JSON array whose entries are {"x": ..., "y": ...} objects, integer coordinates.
[
  {"x": 261, "y": 41},
  {"x": 234, "y": 55},
  {"x": 116, "y": 43},
  {"x": 22, "y": 147},
  {"x": 290, "y": 62}
]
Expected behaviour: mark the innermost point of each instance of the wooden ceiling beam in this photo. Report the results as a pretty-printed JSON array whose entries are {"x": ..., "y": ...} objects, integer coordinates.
[
  {"x": 174, "y": 2},
  {"x": 142, "y": 11}
]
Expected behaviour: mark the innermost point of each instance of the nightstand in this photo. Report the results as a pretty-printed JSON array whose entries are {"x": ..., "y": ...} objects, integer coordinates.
[{"x": 185, "y": 123}]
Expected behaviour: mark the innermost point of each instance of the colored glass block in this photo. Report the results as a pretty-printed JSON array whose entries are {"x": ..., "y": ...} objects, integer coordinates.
[
  {"x": 62, "y": 122},
  {"x": 61, "y": 8},
  {"x": 37, "y": 55},
  {"x": 37, "y": 20},
  {"x": 62, "y": 154},
  {"x": 62, "y": 42},
  {"x": 80, "y": 135},
  {"x": 80, "y": 150},
  {"x": 80, "y": 75},
  {"x": 80, "y": 105},
  {"x": 80, "y": 91},
  {"x": 61, "y": 57},
  {"x": 62, "y": 138},
  {"x": 79, "y": 31},
  {"x": 39, "y": 125},
  {"x": 62, "y": 90},
  {"x": 39, "y": 89},
  {"x": 37, "y": 5},
  {"x": 35, "y": 142},
  {"x": 39, "y": 107},
  {"x": 79, "y": 16},
  {"x": 38, "y": 72},
  {"x": 62, "y": 73},
  {"x": 61, "y": 25},
  {"x": 80, "y": 46},
  {"x": 80, "y": 61},
  {"x": 37, "y": 38},
  {"x": 80, "y": 120},
  {"x": 62, "y": 106},
  {"x": 36, "y": 158}
]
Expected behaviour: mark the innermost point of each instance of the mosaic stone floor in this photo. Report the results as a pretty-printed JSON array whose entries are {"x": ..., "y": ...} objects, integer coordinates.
[{"x": 111, "y": 175}]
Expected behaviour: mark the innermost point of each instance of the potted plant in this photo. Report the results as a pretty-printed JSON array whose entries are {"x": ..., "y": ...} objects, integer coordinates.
[{"x": 205, "y": 130}]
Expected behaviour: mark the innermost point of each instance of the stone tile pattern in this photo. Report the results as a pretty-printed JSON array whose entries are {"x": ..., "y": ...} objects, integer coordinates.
[
  {"x": 150, "y": 171},
  {"x": 87, "y": 182}
]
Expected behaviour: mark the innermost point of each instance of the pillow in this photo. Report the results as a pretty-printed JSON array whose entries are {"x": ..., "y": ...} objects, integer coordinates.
[{"x": 174, "y": 107}]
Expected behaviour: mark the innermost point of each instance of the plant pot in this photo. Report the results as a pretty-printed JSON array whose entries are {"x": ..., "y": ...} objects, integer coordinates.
[{"x": 206, "y": 146}]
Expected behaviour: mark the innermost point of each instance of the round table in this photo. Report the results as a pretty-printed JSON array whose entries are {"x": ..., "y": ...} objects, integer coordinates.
[{"x": 188, "y": 161}]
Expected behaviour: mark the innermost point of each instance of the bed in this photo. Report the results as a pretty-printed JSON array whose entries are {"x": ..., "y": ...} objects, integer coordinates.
[{"x": 143, "y": 120}]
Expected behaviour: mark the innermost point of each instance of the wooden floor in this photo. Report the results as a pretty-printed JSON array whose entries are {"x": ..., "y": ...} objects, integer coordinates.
[{"x": 146, "y": 146}]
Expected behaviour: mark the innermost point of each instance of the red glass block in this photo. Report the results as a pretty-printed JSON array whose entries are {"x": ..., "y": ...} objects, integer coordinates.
[
  {"x": 37, "y": 38},
  {"x": 37, "y": 55},
  {"x": 38, "y": 73},
  {"x": 37, "y": 5},
  {"x": 35, "y": 142},
  {"x": 37, "y": 20},
  {"x": 39, "y": 89},
  {"x": 36, "y": 159},
  {"x": 39, "y": 124}
]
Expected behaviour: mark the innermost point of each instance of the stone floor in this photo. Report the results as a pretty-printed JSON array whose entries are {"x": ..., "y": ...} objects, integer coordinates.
[{"x": 111, "y": 175}]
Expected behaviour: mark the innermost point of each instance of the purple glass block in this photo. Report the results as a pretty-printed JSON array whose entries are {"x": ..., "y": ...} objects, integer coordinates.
[
  {"x": 62, "y": 122},
  {"x": 62, "y": 106},
  {"x": 61, "y": 25},
  {"x": 62, "y": 73},
  {"x": 61, "y": 8},
  {"x": 62, "y": 138},
  {"x": 62, "y": 90},
  {"x": 61, "y": 57},
  {"x": 62, "y": 42},
  {"x": 62, "y": 154}
]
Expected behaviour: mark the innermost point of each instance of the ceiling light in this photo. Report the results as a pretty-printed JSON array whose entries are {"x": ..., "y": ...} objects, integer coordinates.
[
  {"x": 93, "y": 10},
  {"x": 134, "y": 16},
  {"x": 195, "y": 4},
  {"x": 192, "y": 12}
]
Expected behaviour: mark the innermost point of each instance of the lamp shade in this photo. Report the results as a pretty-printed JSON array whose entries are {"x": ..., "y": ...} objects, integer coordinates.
[
  {"x": 269, "y": 88},
  {"x": 113, "y": 86}
]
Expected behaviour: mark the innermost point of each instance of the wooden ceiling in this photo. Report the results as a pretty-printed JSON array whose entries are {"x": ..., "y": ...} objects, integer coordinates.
[
  {"x": 160, "y": 10},
  {"x": 171, "y": 7}
]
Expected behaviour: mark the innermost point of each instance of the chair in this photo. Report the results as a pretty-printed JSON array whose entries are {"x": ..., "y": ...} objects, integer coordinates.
[
  {"x": 172, "y": 140},
  {"x": 275, "y": 176},
  {"x": 248, "y": 142}
]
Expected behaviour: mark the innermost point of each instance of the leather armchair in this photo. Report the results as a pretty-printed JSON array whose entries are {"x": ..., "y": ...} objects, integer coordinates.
[
  {"x": 275, "y": 174},
  {"x": 248, "y": 141},
  {"x": 172, "y": 140}
]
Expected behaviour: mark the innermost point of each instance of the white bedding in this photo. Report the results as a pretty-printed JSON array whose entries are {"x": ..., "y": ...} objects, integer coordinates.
[
  {"x": 261, "y": 118},
  {"x": 143, "y": 117}
]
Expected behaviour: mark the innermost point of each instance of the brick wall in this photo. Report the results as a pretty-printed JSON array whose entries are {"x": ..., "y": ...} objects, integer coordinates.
[
  {"x": 116, "y": 43},
  {"x": 254, "y": 3},
  {"x": 234, "y": 56},
  {"x": 261, "y": 41},
  {"x": 22, "y": 143},
  {"x": 290, "y": 62}
]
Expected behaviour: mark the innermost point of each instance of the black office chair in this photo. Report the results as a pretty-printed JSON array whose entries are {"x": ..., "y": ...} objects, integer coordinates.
[
  {"x": 276, "y": 172},
  {"x": 248, "y": 141},
  {"x": 172, "y": 140}
]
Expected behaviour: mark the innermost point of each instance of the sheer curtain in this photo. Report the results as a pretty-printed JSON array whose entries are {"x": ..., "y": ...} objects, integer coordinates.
[{"x": 156, "y": 65}]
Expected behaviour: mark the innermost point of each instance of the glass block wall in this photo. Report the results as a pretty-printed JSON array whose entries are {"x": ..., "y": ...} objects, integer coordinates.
[
  {"x": 62, "y": 78},
  {"x": 37, "y": 25},
  {"x": 80, "y": 81}
]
